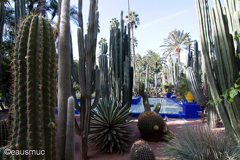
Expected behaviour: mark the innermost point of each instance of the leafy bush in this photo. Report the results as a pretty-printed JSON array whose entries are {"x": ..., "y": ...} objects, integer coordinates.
[
  {"x": 183, "y": 87},
  {"x": 202, "y": 144}
]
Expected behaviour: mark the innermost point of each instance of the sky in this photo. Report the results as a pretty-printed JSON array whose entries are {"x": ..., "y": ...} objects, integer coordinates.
[{"x": 157, "y": 19}]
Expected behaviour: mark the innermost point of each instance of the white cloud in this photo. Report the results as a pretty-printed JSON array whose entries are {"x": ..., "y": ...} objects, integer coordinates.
[{"x": 159, "y": 20}]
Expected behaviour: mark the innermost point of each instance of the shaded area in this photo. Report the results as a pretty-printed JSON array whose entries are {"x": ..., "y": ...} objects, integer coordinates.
[{"x": 175, "y": 126}]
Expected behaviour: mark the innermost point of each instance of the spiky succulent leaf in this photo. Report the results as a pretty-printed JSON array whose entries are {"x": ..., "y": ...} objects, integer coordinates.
[{"x": 110, "y": 128}]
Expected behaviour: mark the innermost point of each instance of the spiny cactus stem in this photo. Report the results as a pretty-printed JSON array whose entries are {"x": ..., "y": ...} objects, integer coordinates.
[
  {"x": 97, "y": 95},
  {"x": 81, "y": 69}
]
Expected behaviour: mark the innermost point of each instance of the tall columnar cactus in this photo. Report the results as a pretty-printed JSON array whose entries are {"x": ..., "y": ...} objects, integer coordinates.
[
  {"x": 147, "y": 79},
  {"x": 34, "y": 88},
  {"x": 20, "y": 10},
  {"x": 155, "y": 78},
  {"x": 89, "y": 74},
  {"x": 194, "y": 87},
  {"x": 173, "y": 72},
  {"x": 190, "y": 57},
  {"x": 70, "y": 142},
  {"x": 64, "y": 75},
  {"x": 103, "y": 66},
  {"x": 121, "y": 72},
  {"x": 197, "y": 63},
  {"x": 222, "y": 70},
  {"x": 4, "y": 134},
  {"x": 2, "y": 19}
]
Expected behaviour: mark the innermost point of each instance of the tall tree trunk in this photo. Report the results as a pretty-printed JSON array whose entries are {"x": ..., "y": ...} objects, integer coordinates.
[
  {"x": 178, "y": 54},
  {"x": 133, "y": 52},
  {"x": 133, "y": 49},
  {"x": 128, "y": 12},
  {"x": 2, "y": 19},
  {"x": 40, "y": 6},
  {"x": 64, "y": 73}
]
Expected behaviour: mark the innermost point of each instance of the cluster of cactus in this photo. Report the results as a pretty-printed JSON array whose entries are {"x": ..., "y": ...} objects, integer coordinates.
[
  {"x": 110, "y": 127},
  {"x": 221, "y": 67},
  {"x": 103, "y": 66},
  {"x": 173, "y": 72},
  {"x": 150, "y": 123},
  {"x": 4, "y": 134},
  {"x": 194, "y": 77},
  {"x": 140, "y": 150},
  {"x": 34, "y": 88},
  {"x": 121, "y": 72}
]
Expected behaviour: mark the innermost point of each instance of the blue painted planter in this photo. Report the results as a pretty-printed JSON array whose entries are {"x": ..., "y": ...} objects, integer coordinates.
[
  {"x": 168, "y": 95},
  {"x": 191, "y": 109},
  {"x": 136, "y": 100}
]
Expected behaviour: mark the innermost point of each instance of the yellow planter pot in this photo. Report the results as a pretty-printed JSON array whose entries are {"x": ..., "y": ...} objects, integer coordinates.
[{"x": 189, "y": 97}]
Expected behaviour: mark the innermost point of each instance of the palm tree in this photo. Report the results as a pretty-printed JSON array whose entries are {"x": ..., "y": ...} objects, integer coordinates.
[
  {"x": 114, "y": 23},
  {"x": 7, "y": 2},
  {"x": 134, "y": 21},
  {"x": 176, "y": 41},
  {"x": 135, "y": 41},
  {"x": 101, "y": 41}
]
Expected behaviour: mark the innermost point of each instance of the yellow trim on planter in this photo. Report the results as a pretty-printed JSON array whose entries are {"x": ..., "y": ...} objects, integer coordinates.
[{"x": 189, "y": 97}]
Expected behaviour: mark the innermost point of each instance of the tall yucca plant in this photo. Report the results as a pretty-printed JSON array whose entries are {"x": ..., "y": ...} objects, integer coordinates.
[{"x": 110, "y": 128}]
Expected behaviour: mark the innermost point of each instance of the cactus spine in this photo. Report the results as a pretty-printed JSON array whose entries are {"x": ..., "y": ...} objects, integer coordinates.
[
  {"x": 89, "y": 74},
  {"x": 121, "y": 72},
  {"x": 70, "y": 142},
  {"x": 34, "y": 86}
]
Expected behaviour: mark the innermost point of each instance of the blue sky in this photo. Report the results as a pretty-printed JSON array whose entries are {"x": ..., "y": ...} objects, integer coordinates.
[{"x": 157, "y": 19}]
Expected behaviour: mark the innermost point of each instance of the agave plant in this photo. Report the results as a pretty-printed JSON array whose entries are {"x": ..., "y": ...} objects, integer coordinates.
[
  {"x": 201, "y": 143},
  {"x": 110, "y": 127}
]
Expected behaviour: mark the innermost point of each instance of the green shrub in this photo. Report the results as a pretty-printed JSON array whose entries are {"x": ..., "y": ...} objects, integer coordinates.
[{"x": 183, "y": 87}]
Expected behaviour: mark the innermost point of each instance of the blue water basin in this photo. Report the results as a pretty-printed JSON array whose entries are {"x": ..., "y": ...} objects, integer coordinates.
[{"x": 170, "y": 107}]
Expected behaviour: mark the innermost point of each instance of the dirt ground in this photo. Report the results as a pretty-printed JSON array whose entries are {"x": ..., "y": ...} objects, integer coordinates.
[{"x": 175, "y": 126}]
